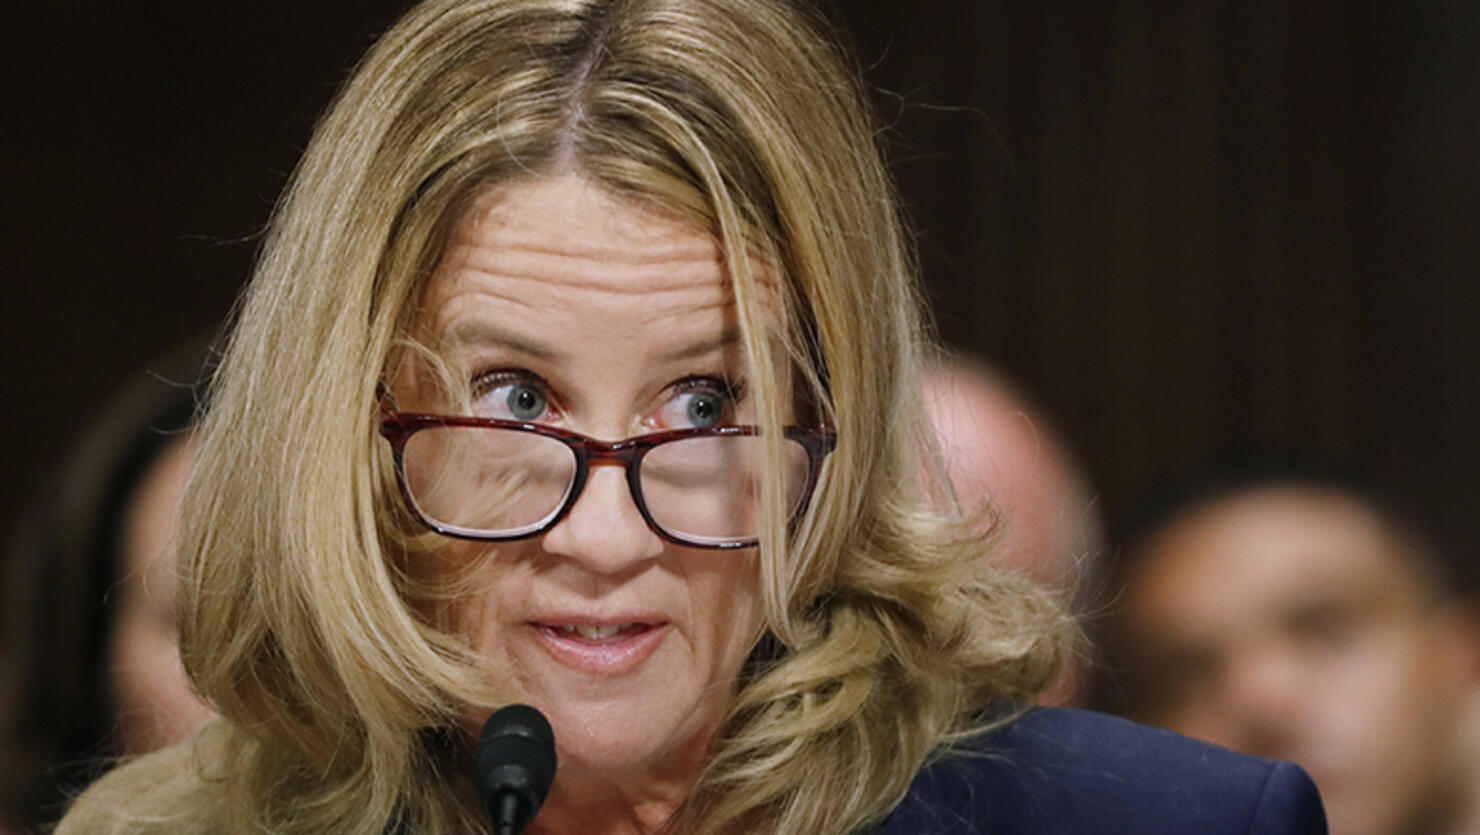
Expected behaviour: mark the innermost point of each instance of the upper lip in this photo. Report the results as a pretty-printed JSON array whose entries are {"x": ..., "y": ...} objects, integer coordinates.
[{"x": 598, "y": 620}]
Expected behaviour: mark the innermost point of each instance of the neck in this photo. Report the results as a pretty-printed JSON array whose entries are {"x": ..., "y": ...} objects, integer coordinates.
[{"x": 599, "y": 805}]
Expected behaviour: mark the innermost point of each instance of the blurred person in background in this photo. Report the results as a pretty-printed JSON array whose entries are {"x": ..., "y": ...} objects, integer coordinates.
[
  {"x": 90, "y": 661},
  {"x": 1011, "y": 473},
  {"x": 1289, "y": 612}
]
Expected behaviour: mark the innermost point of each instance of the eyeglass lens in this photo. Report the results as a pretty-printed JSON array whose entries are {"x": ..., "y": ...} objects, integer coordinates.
[{"x": 479, "y": 481}]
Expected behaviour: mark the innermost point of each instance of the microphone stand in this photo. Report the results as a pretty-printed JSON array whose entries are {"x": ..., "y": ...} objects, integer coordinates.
[{"x": 514, "y": 767}]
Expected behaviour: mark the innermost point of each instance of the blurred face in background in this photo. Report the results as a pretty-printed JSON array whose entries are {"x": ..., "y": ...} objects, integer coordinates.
[
  {"x": 1000, "y": 456},
  {"x": 156, "y": 706},
  {"x": 1286, "y": 622}
]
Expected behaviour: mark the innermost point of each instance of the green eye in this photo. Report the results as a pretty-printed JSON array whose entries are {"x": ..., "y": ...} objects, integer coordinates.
[
  {"x": 705, "y": 409},
  {"x": 526, "y": 402}
]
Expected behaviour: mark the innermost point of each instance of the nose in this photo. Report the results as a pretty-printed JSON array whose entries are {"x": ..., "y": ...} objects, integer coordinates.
[
  {"x": 604, "y": 531},
  {"x": 1264, "y": 697}
]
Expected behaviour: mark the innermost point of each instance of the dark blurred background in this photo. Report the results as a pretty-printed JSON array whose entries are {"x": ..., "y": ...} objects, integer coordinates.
[{"x": 1184, "y": 226}]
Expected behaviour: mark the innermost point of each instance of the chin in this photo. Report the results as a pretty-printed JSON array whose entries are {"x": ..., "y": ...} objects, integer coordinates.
[{"x": 618, "y": 737}]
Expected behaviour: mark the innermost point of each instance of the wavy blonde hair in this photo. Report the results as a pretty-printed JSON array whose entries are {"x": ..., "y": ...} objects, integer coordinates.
[{"x": 302, "y": 617}]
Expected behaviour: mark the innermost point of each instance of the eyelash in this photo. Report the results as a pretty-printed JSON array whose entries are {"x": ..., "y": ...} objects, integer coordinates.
[
  {"x": 485, "y": 381},
  {"x": 732, "y": 389},
  {"x": 490, "y": 378}
]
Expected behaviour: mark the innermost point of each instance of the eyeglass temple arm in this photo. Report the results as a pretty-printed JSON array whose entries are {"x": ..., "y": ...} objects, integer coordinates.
[{"x": 385, "y": 400}]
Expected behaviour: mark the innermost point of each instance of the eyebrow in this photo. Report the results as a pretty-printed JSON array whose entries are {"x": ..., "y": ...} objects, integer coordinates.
[
  {"x": 726, "y": 338},
  {"x": 482, "y": 333}
]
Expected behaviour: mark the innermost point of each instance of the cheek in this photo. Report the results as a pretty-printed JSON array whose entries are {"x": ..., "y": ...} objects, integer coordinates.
[
  {"x": 727, "y": 606},
  {"x": 144, "y": 656},
  {"x": 486, "y": 585},
  {"x": 1373, "y": 674},
  {"x": 155, "y": 703},
  {"x": 1383, "y": 720},
  {"x": 1374, "y": 696},
  {"x": 1394, "y": 680}
]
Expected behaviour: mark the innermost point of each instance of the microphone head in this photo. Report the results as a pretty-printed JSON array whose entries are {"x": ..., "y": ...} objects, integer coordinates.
[{"x": 514, "y": 765}]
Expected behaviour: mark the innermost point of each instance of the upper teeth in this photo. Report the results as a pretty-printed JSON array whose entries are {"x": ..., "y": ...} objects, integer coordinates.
[{"x": 595, "y": 631}]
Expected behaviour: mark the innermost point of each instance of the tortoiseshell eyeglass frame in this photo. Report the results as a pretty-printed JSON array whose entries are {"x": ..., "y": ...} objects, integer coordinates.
[{"x": 398, "y": 427}]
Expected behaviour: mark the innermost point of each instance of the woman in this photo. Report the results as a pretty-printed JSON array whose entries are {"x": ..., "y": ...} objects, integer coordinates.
[
  {"x": 90, "y": 657},
  {"x": 524, "y": 226}
]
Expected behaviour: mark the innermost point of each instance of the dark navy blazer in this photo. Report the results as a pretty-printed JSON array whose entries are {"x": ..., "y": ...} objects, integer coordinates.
[{"x": 1067, "y": 772}]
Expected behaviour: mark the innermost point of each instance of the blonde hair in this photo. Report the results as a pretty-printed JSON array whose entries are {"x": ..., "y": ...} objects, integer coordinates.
[{"x": 301, "y": 617}]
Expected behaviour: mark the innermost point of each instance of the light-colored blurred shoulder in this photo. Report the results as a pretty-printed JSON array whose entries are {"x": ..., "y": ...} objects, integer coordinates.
[{"x": 162, "y": 792}]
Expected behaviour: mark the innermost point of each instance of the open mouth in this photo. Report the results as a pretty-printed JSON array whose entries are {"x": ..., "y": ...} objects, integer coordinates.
[
  {"x": 603, "y": 648},
  {"x": 597, "y": 633}
]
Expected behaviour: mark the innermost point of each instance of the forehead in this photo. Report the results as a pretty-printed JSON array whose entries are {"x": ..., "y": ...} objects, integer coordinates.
[
  {"x": 569, "y": 258},
  {"x": 1256, "y": 555}
]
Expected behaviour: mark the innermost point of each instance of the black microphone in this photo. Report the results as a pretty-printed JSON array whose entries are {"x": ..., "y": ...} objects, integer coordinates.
[{"x": 514, "y": 767}]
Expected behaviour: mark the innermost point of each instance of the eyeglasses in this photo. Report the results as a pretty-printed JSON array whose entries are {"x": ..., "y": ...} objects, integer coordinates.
[{"x": 500, "y": 480}]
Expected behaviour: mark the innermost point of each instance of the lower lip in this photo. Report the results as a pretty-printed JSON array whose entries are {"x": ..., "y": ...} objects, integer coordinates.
[{"x": 605, "y": 656}]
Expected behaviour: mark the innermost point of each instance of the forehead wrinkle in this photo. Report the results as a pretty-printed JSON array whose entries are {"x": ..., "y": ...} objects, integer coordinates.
[
  {"x": 637, "y": 245},
  {"x": 528, "y": 252},
  {"x": 626, "y": 248},
  {"x": 455, "y": 315},
  {"x": 488, "y": 334},
  {"x": 597, "y": 223},
  {"x": 480, "y": 310},
  {"x": 687, "y": 325},
  {"x": 537, "y": 294},
  {"x": 509, "y": 248},
  {"x": 615, "y": 233},
  {"x": 728, "y": 337},
  {"x": 628, "y": 276}
]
